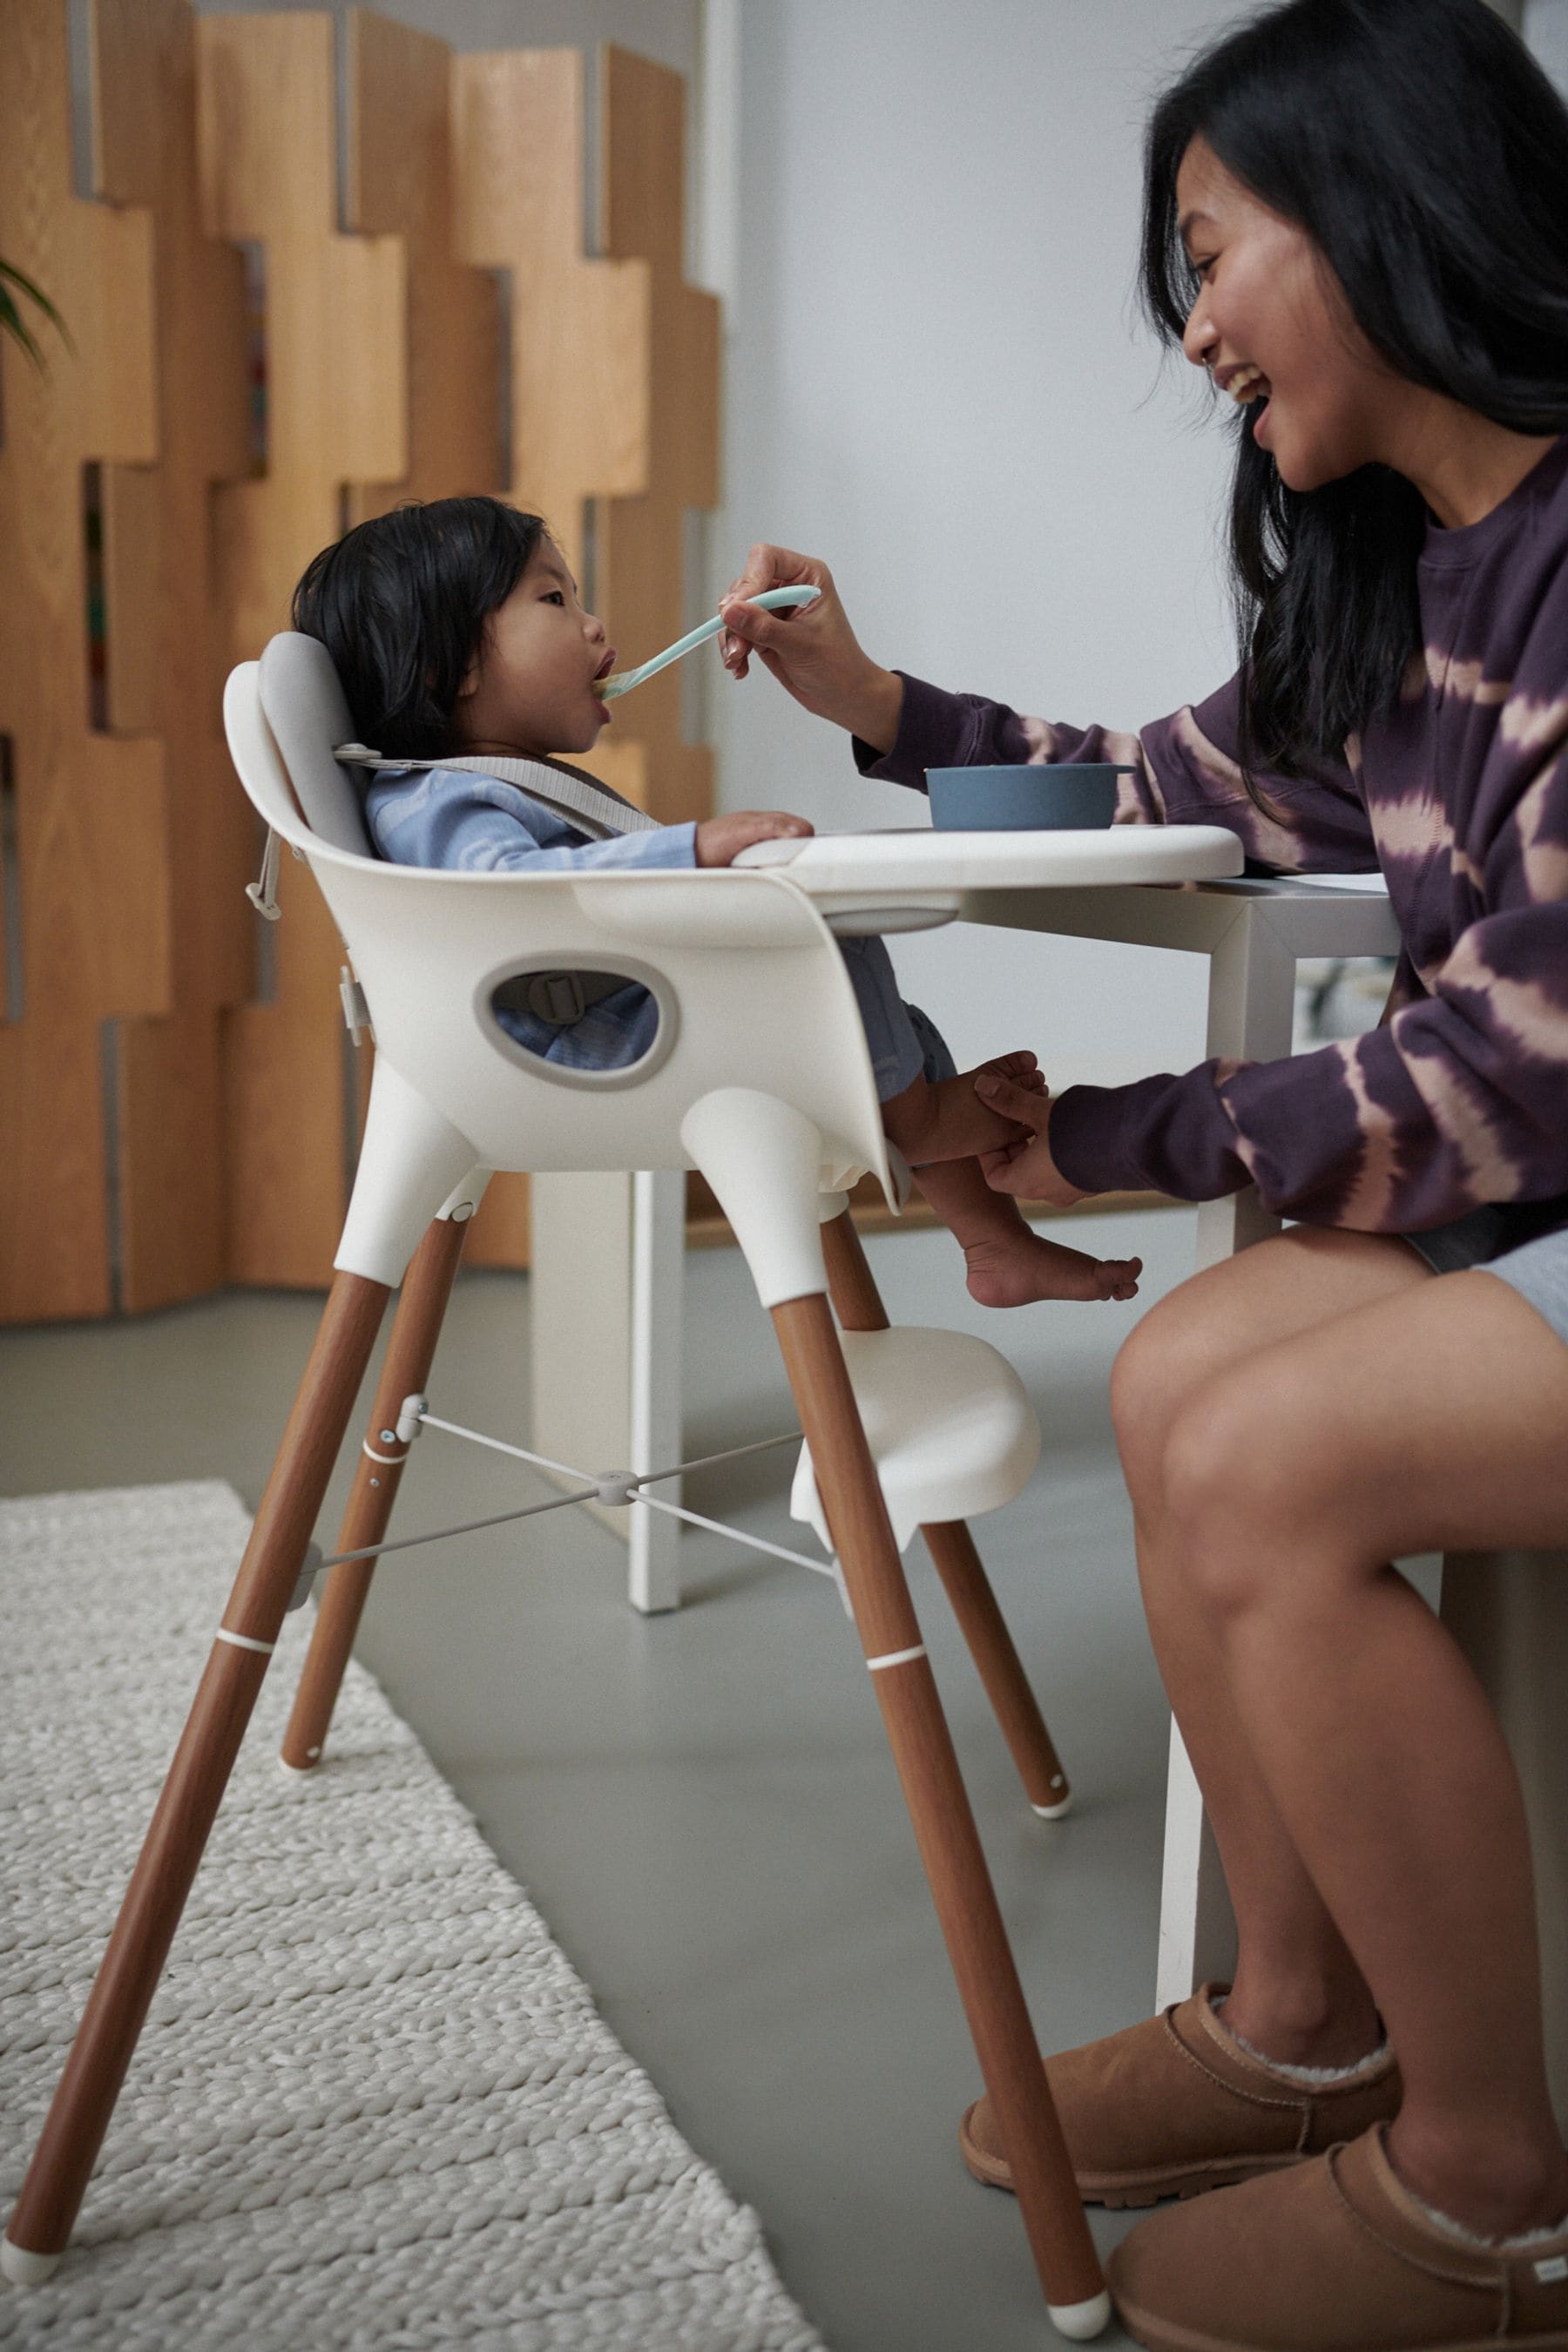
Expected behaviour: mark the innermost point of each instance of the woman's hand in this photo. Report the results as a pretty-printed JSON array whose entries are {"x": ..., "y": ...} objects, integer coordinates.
[
  {"x": 1024, "y": 1168},
  {"x": 811, "y": 649},
  {"x": 720, "y": 839}
]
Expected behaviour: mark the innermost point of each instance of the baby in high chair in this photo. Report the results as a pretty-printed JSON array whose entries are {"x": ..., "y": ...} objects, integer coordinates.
[{"x": 458, "y": 632}]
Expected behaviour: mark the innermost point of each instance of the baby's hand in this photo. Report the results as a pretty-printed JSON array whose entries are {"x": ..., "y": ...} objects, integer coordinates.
[
  {"x": 720, "y": 839},
  {"x": 1022, "y": 1067}
]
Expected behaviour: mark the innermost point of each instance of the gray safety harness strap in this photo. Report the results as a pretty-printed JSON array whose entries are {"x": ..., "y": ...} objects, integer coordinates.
[
  {"x": 559, "y": 999},
  {"x": 565, "y": 792}
]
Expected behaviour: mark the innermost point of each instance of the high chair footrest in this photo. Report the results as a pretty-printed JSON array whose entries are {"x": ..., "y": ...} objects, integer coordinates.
[{"x": 949, "y": 1427}]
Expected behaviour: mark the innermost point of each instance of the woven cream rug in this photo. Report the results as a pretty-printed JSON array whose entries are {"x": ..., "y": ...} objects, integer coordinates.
[{"x": 373, "y": 2106}]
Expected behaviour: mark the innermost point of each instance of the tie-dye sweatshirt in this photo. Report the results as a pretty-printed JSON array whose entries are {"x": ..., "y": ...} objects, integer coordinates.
[{"x": 1461, "y": 798}]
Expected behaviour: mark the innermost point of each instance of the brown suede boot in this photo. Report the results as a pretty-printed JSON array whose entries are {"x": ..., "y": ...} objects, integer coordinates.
[
  {"x": 1173, "y": 2106},
  {"x": 1337, "y": 2256}
]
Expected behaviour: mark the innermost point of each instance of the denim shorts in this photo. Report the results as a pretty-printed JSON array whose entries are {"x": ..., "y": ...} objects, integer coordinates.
[
  {"x": 905, "y": 1043},
  {"x": 1507, "y": 1240}
]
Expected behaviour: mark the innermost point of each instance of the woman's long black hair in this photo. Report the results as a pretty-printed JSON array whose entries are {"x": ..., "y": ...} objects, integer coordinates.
[
  {"x": 1426, "y": 154},
  {"x": 401, "y": 604}
]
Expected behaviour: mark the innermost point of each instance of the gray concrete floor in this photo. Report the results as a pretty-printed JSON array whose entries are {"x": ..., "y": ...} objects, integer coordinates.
[{"x": 701, "y": 1804}]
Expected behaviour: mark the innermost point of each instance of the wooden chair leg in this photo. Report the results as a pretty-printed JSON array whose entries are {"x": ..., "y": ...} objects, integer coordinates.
[
  {"x": 1001, "y": 1669},
  {"x": 917, "y": 1730},
  {"x": 128, "y": 1972},
  {"x": 410, "y": 1351},
  {"x": 860, "y": 1309}
]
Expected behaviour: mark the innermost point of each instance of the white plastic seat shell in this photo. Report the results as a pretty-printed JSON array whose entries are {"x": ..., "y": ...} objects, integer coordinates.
[{"x": 763, "y": 1002}]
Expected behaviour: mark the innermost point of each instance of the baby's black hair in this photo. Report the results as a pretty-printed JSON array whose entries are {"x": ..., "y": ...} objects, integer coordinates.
[{"x": 401, "y": 604}]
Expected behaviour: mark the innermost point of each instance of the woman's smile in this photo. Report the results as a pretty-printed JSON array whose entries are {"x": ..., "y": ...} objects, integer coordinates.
[{"x": 1265, "y": 309}]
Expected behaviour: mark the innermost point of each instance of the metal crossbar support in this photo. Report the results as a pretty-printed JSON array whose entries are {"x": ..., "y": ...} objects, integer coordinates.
[{"x": 620, "y": 1488}]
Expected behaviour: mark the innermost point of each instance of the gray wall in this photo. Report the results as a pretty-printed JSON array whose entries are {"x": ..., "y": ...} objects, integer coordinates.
[
  {"x": 1545, "y": 26},
  {"x": 936, "y": 383}
]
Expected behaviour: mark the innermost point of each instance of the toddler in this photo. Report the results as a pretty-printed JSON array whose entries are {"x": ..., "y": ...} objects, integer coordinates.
[{"x": 457, "y": 630}]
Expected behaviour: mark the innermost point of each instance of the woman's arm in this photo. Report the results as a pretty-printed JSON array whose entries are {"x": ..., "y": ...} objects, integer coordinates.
[
  {"x": 1187, "y": 765},
  {"x": 1460, "y": 1098}
]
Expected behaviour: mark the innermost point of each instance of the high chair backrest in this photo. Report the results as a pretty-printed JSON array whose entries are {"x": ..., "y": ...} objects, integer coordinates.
[
  {"x": 753, "y": 997},
  {"x": 305, "y": 708}
]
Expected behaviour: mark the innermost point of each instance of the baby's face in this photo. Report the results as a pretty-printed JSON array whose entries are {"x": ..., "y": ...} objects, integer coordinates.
[{"x": 530, "y": 689}]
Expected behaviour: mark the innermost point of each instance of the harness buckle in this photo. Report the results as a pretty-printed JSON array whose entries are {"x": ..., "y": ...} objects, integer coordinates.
[{"x": 556, "y": 998}]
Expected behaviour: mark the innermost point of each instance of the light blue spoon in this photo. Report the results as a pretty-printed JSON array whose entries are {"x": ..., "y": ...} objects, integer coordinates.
[{"x": 771, "y": 600}]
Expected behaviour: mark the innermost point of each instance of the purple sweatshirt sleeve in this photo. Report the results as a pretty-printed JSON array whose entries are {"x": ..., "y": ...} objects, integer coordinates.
[
  {"x": 1460, "y": 1098},
  {"x": 1186, "y": 773}
]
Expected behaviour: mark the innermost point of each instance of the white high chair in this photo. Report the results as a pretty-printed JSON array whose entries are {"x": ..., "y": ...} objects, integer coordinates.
[{"x": 760, "y": 1076}]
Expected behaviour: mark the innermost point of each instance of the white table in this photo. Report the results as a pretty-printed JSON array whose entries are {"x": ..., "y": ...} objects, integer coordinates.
[{"x": 608, "y": 1361}]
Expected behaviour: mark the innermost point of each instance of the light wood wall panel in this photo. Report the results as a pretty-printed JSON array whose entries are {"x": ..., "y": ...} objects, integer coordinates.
[
  {"x": 640, "y": 543},
  {"x": 581, "y": 333},
  {"x": 383, "y": 363},
  {"x": 399, "y": 180},
  {"x": 336, "y": 413},
  {"x": 166, "y": 646},
  {"x": 89, "y": 807}
]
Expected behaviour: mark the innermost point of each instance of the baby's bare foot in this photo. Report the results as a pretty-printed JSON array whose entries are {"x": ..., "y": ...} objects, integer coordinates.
[{"x": 1023, "y": 1267}]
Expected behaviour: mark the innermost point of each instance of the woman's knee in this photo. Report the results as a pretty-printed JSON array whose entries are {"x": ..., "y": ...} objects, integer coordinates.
[
  {"x": 1249, "y": 1487},
  {"x": 1231, "y": 1312},
  {"x": 1176, "y": 1347}
]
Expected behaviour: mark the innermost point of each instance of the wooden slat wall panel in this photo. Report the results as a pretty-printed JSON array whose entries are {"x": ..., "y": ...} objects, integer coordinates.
[
  {"x": 402, "y": 178},
  {"x": 337, "y": 405},
  {"x": 640, "y": 543},
  {"x": 90, "y": 808},
  {"x": 166, "y": 649},
  {"x": 400, "y": 182},
  {"x": 381, "y": 346},
  {"x": 581, "y": 327}
]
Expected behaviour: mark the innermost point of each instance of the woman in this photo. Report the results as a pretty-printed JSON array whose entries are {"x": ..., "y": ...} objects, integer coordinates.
[{"x": 1356, "y": 220}]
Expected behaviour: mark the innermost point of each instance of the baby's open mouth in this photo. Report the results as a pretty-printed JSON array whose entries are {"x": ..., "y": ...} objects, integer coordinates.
[
  {"x": 1248, "y": 383},
  {"x": 606, "y": 666}
]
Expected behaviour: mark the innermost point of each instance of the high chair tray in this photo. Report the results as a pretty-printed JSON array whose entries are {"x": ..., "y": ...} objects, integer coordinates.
[{"x": 915, "y": 877}]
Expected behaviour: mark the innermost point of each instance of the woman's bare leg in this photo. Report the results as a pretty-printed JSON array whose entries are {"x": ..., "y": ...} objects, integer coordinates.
[
  {"x": 1429, "y": 1419},
  {"x": 1299, "y": 1995}
]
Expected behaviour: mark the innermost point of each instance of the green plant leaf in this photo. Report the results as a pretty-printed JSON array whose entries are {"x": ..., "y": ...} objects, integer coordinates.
[{"x": 13, "y": 323}]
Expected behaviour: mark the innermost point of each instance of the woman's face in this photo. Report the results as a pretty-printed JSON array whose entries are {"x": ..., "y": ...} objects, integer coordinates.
[{"x": 1272, "y": 326}]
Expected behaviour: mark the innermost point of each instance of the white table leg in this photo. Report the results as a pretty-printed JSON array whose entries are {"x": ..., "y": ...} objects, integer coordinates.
[
  {"x": 1251, "y": 1016},
  {"x": 658, "y": 1287},
  {"x": 607, "y": 1260}
]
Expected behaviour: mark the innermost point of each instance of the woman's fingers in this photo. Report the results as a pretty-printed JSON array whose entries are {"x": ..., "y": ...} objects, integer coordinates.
[
  {"x": 777, "y": 567},
  {"x": 996, "y": 1167},
  {"x": 767, "y": 566}
]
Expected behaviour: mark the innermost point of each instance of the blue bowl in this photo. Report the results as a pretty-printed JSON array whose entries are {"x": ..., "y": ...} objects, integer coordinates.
[{"x": 1036, "y": 799}]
